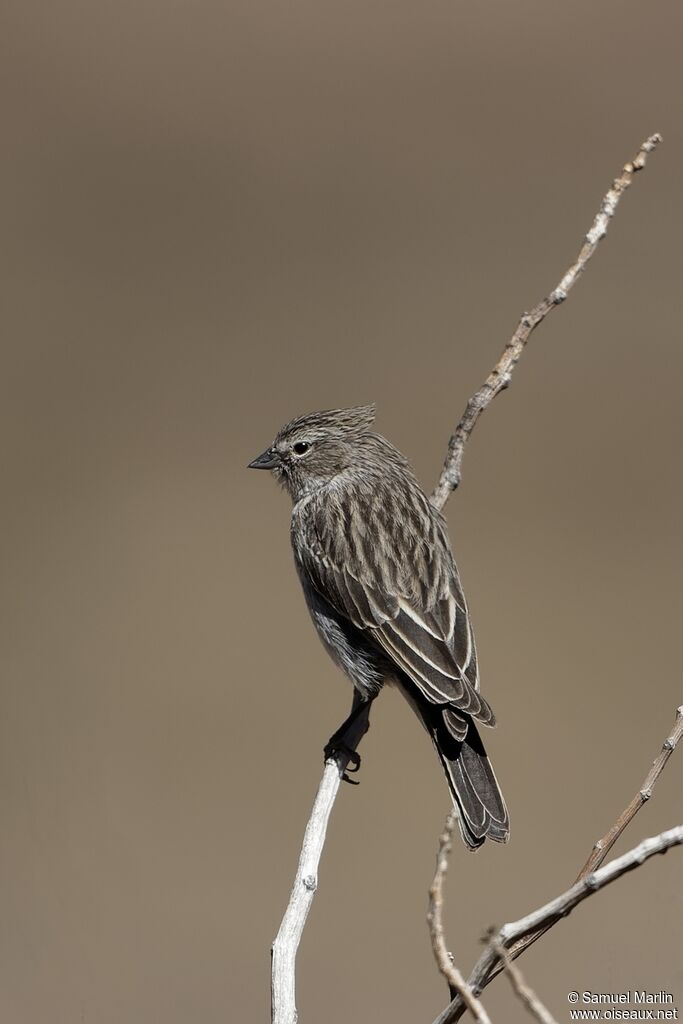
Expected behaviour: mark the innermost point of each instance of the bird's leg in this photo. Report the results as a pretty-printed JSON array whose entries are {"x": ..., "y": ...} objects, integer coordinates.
[{"x": 342, "y": 744}]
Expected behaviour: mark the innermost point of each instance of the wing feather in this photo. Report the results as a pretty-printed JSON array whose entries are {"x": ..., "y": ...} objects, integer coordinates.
[{"x": 395, "y": 579}]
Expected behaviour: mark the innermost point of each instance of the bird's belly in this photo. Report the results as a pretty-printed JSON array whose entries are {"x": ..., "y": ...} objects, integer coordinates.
[{"x": 348, "y": 647}]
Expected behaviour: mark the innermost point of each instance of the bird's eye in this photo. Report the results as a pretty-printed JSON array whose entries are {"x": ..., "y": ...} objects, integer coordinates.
[{"x": 301, "y": 447}]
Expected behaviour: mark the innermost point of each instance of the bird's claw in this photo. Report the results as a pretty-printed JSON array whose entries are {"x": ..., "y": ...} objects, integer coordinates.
[{"x": 334, "y": 750}]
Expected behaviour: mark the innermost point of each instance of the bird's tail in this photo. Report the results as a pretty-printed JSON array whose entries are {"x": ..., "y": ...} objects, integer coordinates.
[{"x": 474, "y": 788}]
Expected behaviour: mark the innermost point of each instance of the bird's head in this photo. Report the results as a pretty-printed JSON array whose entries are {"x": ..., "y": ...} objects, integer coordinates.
[{"x": 311, "y": 450}]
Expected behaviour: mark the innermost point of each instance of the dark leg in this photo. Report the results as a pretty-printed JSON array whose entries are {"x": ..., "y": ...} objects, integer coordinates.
[{"x": 342, "y": 745}]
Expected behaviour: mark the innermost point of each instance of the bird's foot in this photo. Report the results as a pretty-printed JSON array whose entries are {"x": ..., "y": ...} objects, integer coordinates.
[{"x": 336, "y": 750}]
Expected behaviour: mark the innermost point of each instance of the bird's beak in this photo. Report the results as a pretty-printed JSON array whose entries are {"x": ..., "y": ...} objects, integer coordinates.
[{"x": 266, "y": 460}]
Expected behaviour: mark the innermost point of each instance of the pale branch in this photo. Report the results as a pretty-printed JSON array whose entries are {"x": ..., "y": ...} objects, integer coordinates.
[
  {"x": 521, "y": 988},
  {"x": 456, "y": 982},
  {"x": 488, "y": 968},
  {"x": 560, "y": 907},
  {"x": 285, "y": 946},
  {"x": 616, "y": 830},
  {"x": 284, "y": 949},
  {"x": 604, "y": 845},
  {"x": 552, "y": 912},
  {"x": 500, "y": 376}
]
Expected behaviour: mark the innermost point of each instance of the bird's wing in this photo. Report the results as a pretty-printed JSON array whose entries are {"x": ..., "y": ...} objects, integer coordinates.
[{"x": 394, "y": 578}]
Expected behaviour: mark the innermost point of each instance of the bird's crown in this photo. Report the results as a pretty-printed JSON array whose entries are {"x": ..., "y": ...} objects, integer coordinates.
[{"x": 330, "y": 422}]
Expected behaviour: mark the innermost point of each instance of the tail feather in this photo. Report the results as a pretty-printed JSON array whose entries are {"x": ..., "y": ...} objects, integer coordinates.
[
  {"x": 476, "y": 795},
  {"x": 475, "y": 791}
]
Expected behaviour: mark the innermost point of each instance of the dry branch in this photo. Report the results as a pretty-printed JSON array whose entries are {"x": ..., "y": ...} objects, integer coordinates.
[
  {"x": 489, "y": 965},
  {"x": 283, "y": 953},
  {"x": 558, "y": 908},
  {"x": 456, "y": 982},
  {"x": 604, "y": 845},
  {"x": 286, "y": 944},
  {"x": 500, "y": 375},
  {"x": 521, "y": 988}
]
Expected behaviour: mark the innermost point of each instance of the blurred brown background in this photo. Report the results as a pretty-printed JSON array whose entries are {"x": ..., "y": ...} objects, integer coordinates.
[{"x": 216, "y": 216}]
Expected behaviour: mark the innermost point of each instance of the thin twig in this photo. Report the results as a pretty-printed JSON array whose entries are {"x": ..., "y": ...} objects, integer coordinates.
[
  {"x": 456, "y": 982},
  {"x": 616, "y": 830},
  {"x": 562, "y": 905},
  {"x": 521, "y": 988},
  {"x": 604, "y": 845},
  {"x": 558, "y": 908},
  {"x": 488, "y": 968},
  {"x": 500, "y": 375}
]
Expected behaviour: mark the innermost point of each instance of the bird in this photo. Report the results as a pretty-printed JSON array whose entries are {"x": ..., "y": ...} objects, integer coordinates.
[{"x": 380, "y": 582}]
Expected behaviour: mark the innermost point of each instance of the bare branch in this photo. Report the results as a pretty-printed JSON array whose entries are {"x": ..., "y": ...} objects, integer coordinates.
[
  {"x": 497, "y": 380},
  {"x": 610, "y": 838},
  {"x": 604, "y": 845},
  {"x": 526, "y": 994},
  {"x": 456, "y": 982},
  {"x": 486, "y": 970},
  {"x": 562, "y": 905},
  {"x": 500, "y": 375},
  {"x": 286, "y": 944},
  {"x": 550, "y": 913}
]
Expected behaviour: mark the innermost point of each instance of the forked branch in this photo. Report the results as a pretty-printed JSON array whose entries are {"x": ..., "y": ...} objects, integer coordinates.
[
  {"x": 291, "y": 929},
  {"x": 550, "y": 913},
  {"x": 517, "y": 937}
]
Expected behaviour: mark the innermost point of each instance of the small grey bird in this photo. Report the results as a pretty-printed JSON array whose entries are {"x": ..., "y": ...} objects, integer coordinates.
[{"x": 384, "y": 593}]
